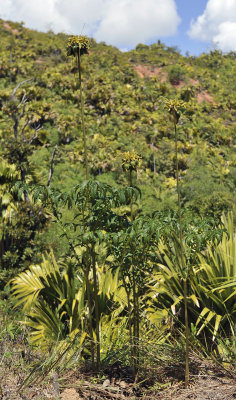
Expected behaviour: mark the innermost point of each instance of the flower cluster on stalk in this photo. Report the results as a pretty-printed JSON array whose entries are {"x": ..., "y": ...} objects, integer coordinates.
[
  {"x": 78, "y": 44},
  {"x": 130, "y": 161},
  {"x": 174, "y": 107}
]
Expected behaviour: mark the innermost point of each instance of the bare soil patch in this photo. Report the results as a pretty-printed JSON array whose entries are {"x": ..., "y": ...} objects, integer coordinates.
[
  {"x": 204, "y": 389},
  {"x": 70, "y": 394},
  {"x": 146, "y": 71},
  {"x": 204, "y": 96},
  {"x": 208, "y": 382},
  {"x": 194, "y": 82},
  {"x": 9, "y": 28}
]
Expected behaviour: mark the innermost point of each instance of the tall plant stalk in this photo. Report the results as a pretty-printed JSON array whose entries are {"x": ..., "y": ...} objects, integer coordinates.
[
  {"x": 89, "y": 296},
  {"x": 82, "y": 115},
  {"x": 129, "y": 311},
  {"x": 130, "y": 163},
  {"x": 135, "y": 297},
  {"x": 87, "y": 267},
  {"x": 183, "y": 266},
  {"x": 98, "y": 362},
  {"x": 77, "y": 46},
  {"x": 93, "y": 255}
]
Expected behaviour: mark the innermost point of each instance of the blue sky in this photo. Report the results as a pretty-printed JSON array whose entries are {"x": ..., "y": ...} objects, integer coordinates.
[
  {"x": 195, "y": 26},
  {"x": 188, "y": 10}
]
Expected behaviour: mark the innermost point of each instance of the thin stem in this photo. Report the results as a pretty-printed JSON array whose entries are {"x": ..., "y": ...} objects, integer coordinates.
[
  {"x": 131, "y": 202},
  {"x": 96, "y": 308},
  {"x": 186, "y": 335},
  {"x": 179, "y": 201},
  {"x": 129, "y": 312},
  {"x": 87, "y": 285},
  {"x": 137, "y": 329},
  {"x": 87, "y": 195},
  {"x": 87, "y": 269},
  {"x": 182, "y": 264},
  {"x": 135, "y": 298},
  {"x": 82, "y": 116},
  {"x": 134, "y": 328},
  {"x": 51, "y": 166},
  {"x": 89, "y": 304}
]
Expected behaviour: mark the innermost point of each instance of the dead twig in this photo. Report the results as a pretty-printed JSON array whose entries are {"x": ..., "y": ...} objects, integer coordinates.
[
  {"x": 51, "y": 166},
  {"x": 17, "y": 87}
]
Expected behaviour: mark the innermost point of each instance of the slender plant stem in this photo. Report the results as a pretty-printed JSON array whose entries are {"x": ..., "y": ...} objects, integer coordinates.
[
  {"x": 182, "y": 264},
  {"x": 89, "y": 308},
  {"x": 87, "y": 195},
  {"x": 129, "y": 313},
  {"x": 137, "y": 329},
  {"x": 135, "y": 344},
  {"x": 178, "y": 192},
  {"x": 82, "y": 116},
  {"x": 131, "y": 202},
  {"x": 135, "y": 298},
  {"x": 86, "y": 281},
  {"x": 186, "y": 335},
  {"x": 96, "y": 308}
]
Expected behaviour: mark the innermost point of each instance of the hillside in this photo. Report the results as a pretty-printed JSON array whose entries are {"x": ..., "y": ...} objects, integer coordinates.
[
  {"x": 124, "y": 111},
  {"x": 118, "y": 273}
]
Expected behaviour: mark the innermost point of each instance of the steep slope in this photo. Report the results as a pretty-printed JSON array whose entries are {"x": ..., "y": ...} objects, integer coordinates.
[{"x": 124, "y": 106}]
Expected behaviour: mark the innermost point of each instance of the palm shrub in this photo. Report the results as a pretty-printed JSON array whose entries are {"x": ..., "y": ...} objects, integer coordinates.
[
  {"x": 54, "y": 301},
  {"x": 182, "y": 245},
  {"x": 210, "y": 254},
  {"x": 218, "y": 285}
]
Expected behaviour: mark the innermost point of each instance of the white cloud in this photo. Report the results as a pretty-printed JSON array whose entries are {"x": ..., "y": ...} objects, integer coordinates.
[
  {"x": 123, "y": 23},
  {"x": 127, "y": 22},
  {"x": 37, "y": 14},
  {"x": 5, "y": 8},
  {"x": 217, "y": 24},
  {"x": 226, "y": 38}
]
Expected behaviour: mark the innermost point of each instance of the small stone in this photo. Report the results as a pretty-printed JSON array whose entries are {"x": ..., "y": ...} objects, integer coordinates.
[
  {"x": 70, "y": 394},
  {"x": 106, "y": 383}
]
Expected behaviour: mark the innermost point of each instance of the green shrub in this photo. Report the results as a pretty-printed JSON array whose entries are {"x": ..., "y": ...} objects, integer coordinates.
[{"x": 176, "y": 74}]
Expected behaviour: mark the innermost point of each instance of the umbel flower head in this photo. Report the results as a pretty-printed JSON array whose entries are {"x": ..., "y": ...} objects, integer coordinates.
[
  {"x": 174, "y": 107},
  {"x": 130, "y": 161},
  {"x": 77, "y": 44}
]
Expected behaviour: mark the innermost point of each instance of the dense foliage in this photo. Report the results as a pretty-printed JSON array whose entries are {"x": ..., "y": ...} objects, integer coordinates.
[{"x": 130, "y": 203}]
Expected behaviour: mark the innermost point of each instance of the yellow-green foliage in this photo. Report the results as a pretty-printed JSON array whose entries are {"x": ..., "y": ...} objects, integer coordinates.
[{"x": 124, "y": 112}]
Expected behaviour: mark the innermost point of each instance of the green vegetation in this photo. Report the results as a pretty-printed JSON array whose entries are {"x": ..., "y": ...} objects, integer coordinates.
[{"x": 117, "y": 220}]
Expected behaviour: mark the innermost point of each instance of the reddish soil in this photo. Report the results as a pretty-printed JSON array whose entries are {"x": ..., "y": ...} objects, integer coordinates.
[
  {"x": 9, "y": 28},
  {"x": 204, "y": 96},
  {"x": 146, "y": 71},
  {"x": 194, "y": 82}
]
